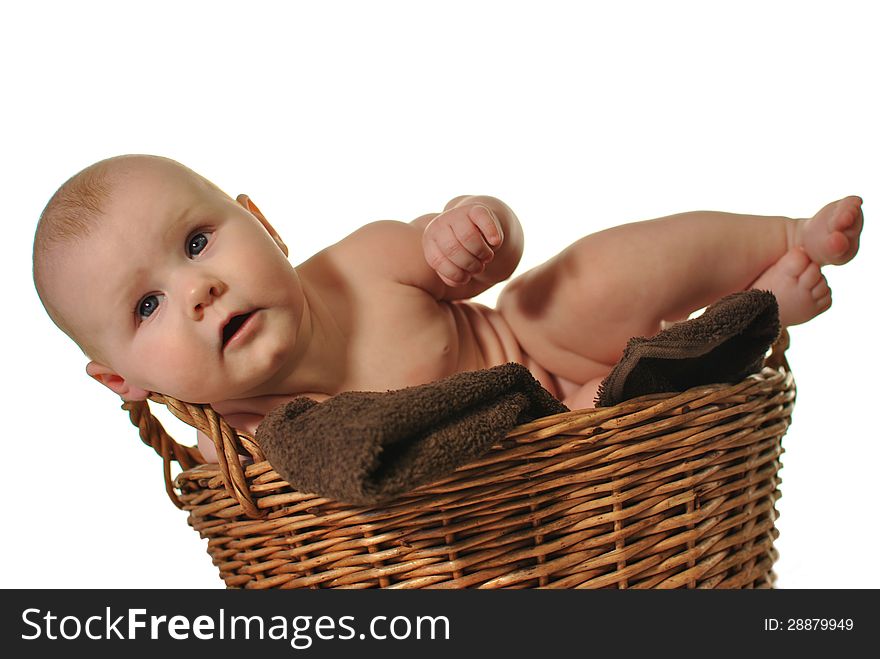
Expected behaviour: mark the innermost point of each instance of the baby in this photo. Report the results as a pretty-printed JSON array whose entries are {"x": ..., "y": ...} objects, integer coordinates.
[{"x": 169, "y": 285}]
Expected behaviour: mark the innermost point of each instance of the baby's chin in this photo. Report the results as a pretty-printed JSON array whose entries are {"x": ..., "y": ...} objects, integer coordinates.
[
  {"x": 260, "y": 378},
  {"x": 198, "y": 397},
  {"x": 213, "y": 396}
]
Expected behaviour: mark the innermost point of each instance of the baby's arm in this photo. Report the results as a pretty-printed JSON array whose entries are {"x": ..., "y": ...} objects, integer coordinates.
[
  {"x": 476, "y": 242},
  {"x": 418, "y": 253}
]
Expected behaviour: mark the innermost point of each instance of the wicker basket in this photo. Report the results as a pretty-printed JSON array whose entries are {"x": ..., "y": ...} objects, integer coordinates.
[{"x": 664, "y": 491}]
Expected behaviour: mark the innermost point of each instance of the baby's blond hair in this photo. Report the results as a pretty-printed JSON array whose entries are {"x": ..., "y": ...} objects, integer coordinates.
[{"x": 70, "y": 215}]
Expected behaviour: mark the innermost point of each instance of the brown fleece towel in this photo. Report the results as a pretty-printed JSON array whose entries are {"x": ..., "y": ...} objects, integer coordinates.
[
  {"x": 724, "y": 344},
  {"x": 365, "y": 447}
]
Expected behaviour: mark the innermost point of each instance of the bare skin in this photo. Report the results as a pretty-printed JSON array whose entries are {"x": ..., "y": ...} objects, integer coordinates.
[
  {"x": 644, "y": 273},
  {"x": 387, "y": 307}
]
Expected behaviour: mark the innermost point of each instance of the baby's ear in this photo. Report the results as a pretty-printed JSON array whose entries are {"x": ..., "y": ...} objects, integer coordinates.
[
  {"x": 250, "y": 206},
  {"x": 115, "y": 382}
]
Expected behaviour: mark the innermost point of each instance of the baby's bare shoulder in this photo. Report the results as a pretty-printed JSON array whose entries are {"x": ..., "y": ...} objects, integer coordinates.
[
  {"x": 384, "y": 250},
  {"x": 383, "y": 237},
  {"x": 365, "y": 251}
]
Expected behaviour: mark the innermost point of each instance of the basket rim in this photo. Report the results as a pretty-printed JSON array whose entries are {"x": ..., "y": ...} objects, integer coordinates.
[
  {"x": 230, "y": 444},
  {"x": 572, "y": 433}
]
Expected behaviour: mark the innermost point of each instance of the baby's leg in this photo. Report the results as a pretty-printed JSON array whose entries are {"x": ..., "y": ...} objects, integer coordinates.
[{"x": 575, "y": 313}]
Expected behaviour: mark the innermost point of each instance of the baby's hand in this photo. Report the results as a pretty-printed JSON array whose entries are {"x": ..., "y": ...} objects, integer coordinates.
[{"x": 458, "y": 243}]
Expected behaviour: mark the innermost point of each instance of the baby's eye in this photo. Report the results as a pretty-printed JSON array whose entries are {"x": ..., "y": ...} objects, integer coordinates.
[
  {"x": 197, "y": 243},
  {"x": 147, "y": 306}
]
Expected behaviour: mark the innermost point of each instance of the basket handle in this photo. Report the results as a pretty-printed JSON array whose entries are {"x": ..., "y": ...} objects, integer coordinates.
[
  {"x": 228, "y": 442},
  {"x": 777, "y": 358}
]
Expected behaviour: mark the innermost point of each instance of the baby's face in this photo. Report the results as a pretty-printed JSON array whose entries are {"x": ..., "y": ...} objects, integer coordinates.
[{"x": 182, "y": 291}]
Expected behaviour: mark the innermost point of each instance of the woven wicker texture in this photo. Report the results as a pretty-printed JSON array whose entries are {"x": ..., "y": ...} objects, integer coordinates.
[{"x": 664, "y": 491}]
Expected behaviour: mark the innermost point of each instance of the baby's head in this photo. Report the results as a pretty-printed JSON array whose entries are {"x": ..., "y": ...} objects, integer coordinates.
[{"x": 166, "y": 283}]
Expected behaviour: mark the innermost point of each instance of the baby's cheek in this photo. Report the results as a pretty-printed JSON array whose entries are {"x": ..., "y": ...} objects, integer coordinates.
[{"x": 181, "y": 377}]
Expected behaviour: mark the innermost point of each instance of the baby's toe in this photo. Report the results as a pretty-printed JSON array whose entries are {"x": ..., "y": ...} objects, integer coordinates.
[
  {"x": 810, "y": 276},
  {"x": 849, "y": 213},
  {"x": 838, "y": 244},
  {"x": 794, "y": 262},
  {"x": 820, "y": 290}
]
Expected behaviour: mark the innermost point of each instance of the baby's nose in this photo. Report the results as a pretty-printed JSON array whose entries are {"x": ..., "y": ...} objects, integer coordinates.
[{"x": 202, "y": 293}]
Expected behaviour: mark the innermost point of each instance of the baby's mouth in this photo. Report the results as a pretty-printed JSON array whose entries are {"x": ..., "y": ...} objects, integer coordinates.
[{"x": 233, "y": 326}]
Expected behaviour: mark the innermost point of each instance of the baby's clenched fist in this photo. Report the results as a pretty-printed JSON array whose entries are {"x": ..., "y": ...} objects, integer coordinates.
[{"x": 458, "y": 243}]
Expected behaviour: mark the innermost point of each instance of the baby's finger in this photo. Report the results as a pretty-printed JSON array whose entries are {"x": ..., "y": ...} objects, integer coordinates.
[
  {"x": 451, "y": 274},
  {"x": 470, "y": 237},
  {"x": 455, "y": 249},
  {"x": 488, "y": 224},
  {"x": 452, "y": 282},
  {"x": 447, "y": 270}
]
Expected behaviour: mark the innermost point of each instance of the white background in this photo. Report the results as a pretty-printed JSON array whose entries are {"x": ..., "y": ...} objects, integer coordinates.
[{"x": 581, "y": 116}]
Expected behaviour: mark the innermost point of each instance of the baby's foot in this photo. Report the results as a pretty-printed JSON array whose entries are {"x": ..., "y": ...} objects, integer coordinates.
[
  {"x": 799, "y": 287},
  {"x": 832, "y": 234}
]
